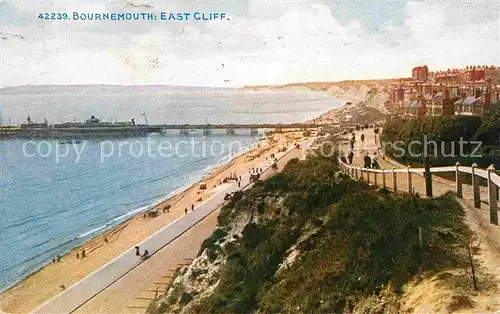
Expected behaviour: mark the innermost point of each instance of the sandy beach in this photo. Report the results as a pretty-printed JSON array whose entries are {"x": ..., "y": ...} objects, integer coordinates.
[{"x": 46, "y": 283}]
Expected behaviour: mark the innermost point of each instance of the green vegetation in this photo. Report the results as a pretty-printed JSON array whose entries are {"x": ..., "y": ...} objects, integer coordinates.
[
  {"x": 447, "y": 132},
  {"x": 350, "y": 241}
]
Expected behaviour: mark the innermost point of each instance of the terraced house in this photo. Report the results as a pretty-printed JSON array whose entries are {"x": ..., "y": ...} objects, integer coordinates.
[{"x": 470, "y": 91}]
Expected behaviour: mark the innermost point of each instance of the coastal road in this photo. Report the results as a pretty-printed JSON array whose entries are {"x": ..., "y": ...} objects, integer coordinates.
[{"x": 107, "y": 288}]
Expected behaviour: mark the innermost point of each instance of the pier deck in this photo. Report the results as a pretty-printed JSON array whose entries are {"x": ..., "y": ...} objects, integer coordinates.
[{"x": 84, "y": 131}]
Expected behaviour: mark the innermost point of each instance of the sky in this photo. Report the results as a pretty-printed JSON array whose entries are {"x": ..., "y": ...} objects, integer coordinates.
[{"x": 261, "y": 42}]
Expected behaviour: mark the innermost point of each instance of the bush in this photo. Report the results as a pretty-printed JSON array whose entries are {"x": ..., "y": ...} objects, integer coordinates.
[
  {"x": 210, "y": 244},
  {"x": 352, "y": 241},
  {"x": 186, "y": 297},
  {"x": 446, "y": 131},
  {"x": 364, "y": 240}
]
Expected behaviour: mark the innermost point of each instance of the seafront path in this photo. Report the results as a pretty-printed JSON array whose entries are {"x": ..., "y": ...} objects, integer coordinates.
[
  {"x": 440, "y": 185},
  {"x": 116, "y": 286},
  {"x": 478, "y": 213}
]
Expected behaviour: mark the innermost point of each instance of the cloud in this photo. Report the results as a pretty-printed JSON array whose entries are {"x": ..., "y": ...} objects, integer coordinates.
[{"x": 261, "y": 43}]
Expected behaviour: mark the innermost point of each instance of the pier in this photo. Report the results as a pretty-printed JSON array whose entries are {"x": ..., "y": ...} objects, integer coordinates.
[{"x": 121, "y": 130}]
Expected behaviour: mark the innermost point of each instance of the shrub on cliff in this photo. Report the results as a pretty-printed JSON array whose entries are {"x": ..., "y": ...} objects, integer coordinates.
[
  {"x": 446, "y": 132},
  {"x": 351, "y": 241}
]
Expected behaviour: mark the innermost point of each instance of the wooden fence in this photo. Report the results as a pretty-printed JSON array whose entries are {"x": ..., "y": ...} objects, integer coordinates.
[{"x": 492, "y": 178}]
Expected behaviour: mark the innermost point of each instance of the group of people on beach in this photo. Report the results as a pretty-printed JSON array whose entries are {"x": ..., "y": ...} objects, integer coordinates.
[
  {"x": 83, "y": 251},
  {"x": 56, "y": 259},
  {"x": 254, "y": 170}
]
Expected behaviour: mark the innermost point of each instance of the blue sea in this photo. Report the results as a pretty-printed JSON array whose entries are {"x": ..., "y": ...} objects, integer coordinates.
[{"x": 54, "y": 197}]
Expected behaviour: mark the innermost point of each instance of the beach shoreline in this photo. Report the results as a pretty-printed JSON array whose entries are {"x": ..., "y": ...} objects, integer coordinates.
[
  {"x": 43, "y": 284},
  {"x": 176, "y": 194}
]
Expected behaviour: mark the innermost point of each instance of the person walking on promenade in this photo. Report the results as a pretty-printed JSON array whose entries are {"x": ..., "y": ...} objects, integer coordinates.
[
  {"x": 362, "y": 137},
  {"x": 375, "y": 135},
  {"x": 350, "y": 156},
  {"x": 185, "y": 210},
  {"x": 83, "y": 253},
  {"x": 375, "y": 164},
  {"x": 367, "y": 160},
  {"x": 192, "y": 207}
]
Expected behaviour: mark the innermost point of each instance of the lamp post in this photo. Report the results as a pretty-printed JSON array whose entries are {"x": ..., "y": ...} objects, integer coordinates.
[{"x": 427, "y": 172}]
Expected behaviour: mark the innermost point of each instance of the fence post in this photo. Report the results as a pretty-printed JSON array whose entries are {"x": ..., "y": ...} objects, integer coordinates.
[
  {"x": 375, "y": 178},
  {"x": 428, "y": 180},
  {"x": 492, "y": 197},
  {"x": 475, "y": 187},
  {"x": 458, "y": 182},
  {"x": 368, "y": 176},
  {"x": 421, "y": 236},
  {"x": 383, "y": 179},
  {"x": 410, "y": 190},
  {"x": 394, "y": 180},
  {"x": 356, "y": 170}
]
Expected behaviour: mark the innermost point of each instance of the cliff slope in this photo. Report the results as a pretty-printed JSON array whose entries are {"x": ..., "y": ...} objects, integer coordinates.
[{"x": 312, "y": 240}]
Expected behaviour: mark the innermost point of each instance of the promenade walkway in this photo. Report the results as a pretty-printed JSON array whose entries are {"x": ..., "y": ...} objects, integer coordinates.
[
  {"x": 111, "y": 288},
  {"x": 414, "y": 181},
  {"x": 481, "y": 211}
]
